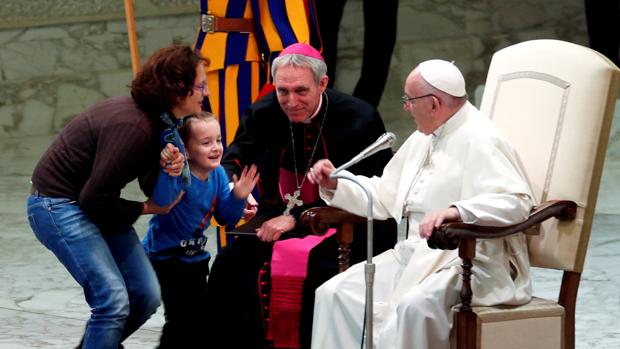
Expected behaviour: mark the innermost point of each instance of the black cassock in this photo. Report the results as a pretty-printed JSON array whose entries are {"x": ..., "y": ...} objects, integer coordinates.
[{"x": 264, "y": 138}]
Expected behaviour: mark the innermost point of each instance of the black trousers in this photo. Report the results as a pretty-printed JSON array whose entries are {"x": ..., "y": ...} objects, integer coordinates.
[
  {"x": 379, "y": 39},
  {"x": 233, "y": 292},
  {"x": 184, "y": 292}
]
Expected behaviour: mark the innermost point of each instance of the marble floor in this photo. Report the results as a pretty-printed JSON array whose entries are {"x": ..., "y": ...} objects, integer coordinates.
[{"x": 42, "y": 307}]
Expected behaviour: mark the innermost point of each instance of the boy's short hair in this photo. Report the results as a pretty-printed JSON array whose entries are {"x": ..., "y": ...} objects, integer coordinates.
[{"x": 187, "y": 122}]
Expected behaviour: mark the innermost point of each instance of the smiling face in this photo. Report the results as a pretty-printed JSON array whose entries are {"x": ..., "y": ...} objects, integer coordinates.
[
  {"x": 192, "y": 103},
  {"x": 204, "y": 146},
  {"x": 298, "y": 93}
]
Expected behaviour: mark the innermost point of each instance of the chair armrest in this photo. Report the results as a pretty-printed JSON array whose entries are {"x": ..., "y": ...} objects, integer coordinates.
[
  {"x": 448, "y": 235},
  {"x": 319, "y": 219}
]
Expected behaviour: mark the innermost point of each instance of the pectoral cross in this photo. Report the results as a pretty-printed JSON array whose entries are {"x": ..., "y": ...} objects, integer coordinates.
[{"x": 292, "y": 201}]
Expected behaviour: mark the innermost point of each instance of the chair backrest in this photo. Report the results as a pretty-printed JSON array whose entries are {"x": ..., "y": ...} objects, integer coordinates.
[{"x": 555, "y": 101}]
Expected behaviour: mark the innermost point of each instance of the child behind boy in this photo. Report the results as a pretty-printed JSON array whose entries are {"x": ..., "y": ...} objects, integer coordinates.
[{"x": 175, "y": 242}]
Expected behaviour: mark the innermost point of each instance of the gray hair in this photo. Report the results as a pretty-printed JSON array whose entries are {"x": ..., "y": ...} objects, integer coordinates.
[{"x": 318, "y": 67}]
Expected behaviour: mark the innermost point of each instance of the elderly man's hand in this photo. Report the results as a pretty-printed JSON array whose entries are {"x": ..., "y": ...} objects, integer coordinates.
[
  {"x": 272, "y": 229},
  {"x": 320, "y": 172},
  {"x": 434, "y": 219}
]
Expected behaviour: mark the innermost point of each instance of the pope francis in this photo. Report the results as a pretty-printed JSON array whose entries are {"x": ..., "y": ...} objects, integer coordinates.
[{"x": 456, "y": 166}]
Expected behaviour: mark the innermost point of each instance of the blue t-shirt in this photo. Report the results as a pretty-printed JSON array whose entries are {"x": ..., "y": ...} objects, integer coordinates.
[{"x": 180, "y": 233}]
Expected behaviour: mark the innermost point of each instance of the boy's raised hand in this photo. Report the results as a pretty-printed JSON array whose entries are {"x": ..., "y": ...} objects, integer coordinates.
[{"x": 245, "y": 184}]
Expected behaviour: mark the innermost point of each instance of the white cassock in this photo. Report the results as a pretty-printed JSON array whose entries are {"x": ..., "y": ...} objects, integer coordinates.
[{"x": 467, "y": 164}]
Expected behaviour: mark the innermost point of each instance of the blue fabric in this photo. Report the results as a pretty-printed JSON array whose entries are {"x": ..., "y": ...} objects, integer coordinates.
[
  {"x": 244, "y": 88},
  {"x": 221, "y": 77},
  {"x": 236, "y": 48},
  {"x": 201, "y": 35},
  {"x": 236, "y": 43},
  {"x": 119, "y": 283},
  {"x": 280, "y": 19},
  {"x": 171, "y": 135},
  {"x": 179, "y": 234},
  {"x": 260, "y": 36}
]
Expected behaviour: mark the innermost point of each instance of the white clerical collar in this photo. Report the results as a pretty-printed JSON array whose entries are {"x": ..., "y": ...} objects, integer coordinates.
[
  {"x": 454, "y": 121},
  {"x": 451, "y": 124},
  {"x": 309, "y": 120},
  {"x": 438, "y": 131}
]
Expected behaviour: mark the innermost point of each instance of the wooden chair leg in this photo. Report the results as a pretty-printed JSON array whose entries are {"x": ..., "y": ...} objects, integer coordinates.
[
  {"x": 345, "y": 238},
  {"x": 465, "y": 319},
  {"x": 568, "y": 299},
  {"x": 466, "y": 329}
]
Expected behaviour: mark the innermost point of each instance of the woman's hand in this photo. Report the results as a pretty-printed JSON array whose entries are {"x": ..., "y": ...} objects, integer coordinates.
[{"x": 149, "y": 206}]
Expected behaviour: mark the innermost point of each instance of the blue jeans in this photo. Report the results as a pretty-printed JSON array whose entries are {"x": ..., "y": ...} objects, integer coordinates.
[{"x": 119, "y": 282}]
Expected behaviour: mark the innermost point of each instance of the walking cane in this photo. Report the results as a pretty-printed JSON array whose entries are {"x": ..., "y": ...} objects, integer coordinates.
[{"x": 133, "y": 39}]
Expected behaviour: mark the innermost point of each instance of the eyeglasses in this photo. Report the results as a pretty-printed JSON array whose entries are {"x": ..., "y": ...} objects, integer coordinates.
[
  {"x": 406, "y": 99},
  {"x": 201, "y": 87}
]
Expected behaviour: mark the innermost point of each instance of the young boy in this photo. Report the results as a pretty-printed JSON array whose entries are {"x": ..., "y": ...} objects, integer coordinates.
[{"x": 175, "y": 242}]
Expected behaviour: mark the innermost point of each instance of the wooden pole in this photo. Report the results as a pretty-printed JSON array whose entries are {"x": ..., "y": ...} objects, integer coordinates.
[{"x": 133, "y": 39}]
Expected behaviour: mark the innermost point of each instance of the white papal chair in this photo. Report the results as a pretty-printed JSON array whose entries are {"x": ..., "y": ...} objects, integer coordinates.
[{"x": 555, "y": 102}]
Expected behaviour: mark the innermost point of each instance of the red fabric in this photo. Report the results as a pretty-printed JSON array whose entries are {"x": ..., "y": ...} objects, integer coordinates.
[
  {"x": 265, "y": 90},
  {"x": 284, "y": 311},
  {"x": 288, "y": 185},
  {"x": 289, "y": 267}
]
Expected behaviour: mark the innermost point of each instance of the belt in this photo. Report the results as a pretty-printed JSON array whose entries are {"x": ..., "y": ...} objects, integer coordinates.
[{"x": 212, "y": 24}]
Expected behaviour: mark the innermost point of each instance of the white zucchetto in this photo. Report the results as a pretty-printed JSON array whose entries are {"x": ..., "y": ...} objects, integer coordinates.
[{"x": 443, "y": 76}]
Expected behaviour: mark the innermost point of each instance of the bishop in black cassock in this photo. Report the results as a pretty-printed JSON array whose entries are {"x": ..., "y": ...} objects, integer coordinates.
[{"x": 341, "y": 128}]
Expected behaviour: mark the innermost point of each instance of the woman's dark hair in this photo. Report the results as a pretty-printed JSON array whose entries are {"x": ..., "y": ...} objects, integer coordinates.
[{"x": 166, "y": 77}]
